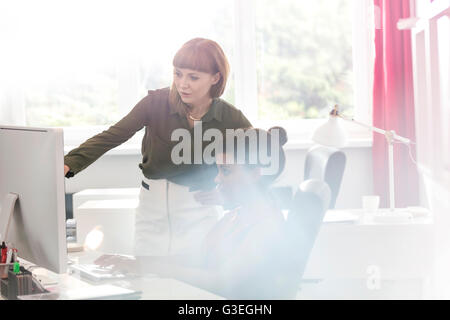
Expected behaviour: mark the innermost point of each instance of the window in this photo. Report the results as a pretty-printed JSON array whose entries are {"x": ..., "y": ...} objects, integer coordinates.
[
  {"x": 83, "y": 64},
  {"x": 295, "y": 59},
  {"x": 431, "y": 61},
  {"x": 304, "y": 58}
]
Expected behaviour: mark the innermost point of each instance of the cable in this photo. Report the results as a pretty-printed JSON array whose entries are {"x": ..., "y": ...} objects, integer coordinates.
[{"x": 409, "y": 150}]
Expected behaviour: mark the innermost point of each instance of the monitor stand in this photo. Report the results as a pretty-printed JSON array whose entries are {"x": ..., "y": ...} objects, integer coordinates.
[
  {"x": 8, "y": 205},
  {"x": 74, "y": 247}
]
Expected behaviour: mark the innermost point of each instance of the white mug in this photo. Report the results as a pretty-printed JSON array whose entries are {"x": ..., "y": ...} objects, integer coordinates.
[{"x": 370, "y": 203}]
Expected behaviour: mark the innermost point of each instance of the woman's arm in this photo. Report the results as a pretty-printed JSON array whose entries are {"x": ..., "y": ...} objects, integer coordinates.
[
  {"x": 149, "y": 264},
  {"x": 80, "y": 158},
  {"x": 197, "y": 276},
  {"x": 244, "y": 273},
  {"x": 238, "y": 278},
  {"x": 251, "y": 271}
]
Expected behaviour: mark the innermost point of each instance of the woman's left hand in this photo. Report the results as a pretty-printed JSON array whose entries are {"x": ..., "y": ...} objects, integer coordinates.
[{"x": 119, "y": 263}]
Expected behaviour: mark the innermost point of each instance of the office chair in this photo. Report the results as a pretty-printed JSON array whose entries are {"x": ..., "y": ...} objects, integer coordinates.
[
  {"x": 281, "y": 277},
  {"x": 328, "y": 165},
  {"x": 303, "y": 222},
  {"x": 321, "y": 163}
]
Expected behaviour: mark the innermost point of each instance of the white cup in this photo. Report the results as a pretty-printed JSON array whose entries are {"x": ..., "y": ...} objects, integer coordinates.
[{"x": 370, "y": 203}]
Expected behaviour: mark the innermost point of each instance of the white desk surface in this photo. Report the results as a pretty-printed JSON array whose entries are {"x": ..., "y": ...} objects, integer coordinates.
[
  {"x": 361, "y": 218},
  {"x": 400, "y": 250},
  {"x": 152, "y": 287},
  {"x": 110, "y": 204},
  {"x": 109, "y": 192},
  {"x": 350, "y": 252}
]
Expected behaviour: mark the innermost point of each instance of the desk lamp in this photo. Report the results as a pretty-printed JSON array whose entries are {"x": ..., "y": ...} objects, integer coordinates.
[{"x": 333, "y": 135}]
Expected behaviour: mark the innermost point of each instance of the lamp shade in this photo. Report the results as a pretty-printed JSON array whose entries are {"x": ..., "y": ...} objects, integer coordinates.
[{"x": 331, "y": 134}]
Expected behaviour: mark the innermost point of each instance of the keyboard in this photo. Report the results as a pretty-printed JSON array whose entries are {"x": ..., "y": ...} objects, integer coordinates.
[{"x": 97, "y": 273}]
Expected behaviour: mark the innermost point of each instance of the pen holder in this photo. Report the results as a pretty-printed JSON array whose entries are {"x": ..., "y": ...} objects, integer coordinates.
[
  {"x": 4, "y": 267},
  {"x": 4, "y": 270},
  {"x": 19, "y": 284}
]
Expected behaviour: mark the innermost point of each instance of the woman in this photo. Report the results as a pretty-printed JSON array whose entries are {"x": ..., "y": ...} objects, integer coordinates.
[
  {"x": 169, "y": 220},
  {"x": 246, "y": 255}
]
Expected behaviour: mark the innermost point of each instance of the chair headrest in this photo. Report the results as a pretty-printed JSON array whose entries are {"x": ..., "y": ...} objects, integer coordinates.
[{"x": 313, "y": 188}]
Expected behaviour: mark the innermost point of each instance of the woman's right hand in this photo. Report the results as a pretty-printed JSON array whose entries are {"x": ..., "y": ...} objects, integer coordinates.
[
  {"x": 119, "y": 263},
  {"x": 66, "y": 169},
  {"x": 209, "y": 198}
]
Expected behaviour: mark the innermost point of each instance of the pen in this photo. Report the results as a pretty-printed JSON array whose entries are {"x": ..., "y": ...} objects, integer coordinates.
[
  {"x": 14, "y": 255},
  {"x": 9, "y": 256}
]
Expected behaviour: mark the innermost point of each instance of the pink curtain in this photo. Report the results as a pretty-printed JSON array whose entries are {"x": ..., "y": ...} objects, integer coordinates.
[{"x": 393, "y": 104}]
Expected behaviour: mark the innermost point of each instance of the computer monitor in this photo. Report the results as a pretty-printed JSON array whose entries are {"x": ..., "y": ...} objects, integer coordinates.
[{"x": 31, "y": 166}]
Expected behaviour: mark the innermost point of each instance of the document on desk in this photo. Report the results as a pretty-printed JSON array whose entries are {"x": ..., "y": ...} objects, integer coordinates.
[
  {"x": 340, "y": 216},
  {"x": 101, "y": 292}
]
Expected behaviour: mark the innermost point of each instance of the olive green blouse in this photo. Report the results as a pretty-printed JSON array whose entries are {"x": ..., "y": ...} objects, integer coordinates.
[{"x": 160, "y": 119}]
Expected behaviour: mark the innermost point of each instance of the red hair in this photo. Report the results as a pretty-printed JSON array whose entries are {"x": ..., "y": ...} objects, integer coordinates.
[{"x": 203, "y": 55}]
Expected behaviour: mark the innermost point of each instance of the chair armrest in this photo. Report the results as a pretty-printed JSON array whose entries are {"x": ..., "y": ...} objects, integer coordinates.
[{"x": 283, "y": 196}]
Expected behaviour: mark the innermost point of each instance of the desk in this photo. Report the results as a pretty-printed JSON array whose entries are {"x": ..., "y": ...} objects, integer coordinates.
[
  {"x": 114, "y": 217},
  {"x": 104, "y": 194},
  {"x": 111, "y": 209},
  {"x": 365, "y": 259},
  {"x": 346, "y": 257},
  {"x": 152, "y": 287}
]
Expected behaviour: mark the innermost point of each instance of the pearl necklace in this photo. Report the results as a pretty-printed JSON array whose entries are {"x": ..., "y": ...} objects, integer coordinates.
[
  {"x": 193, "y": 119},
  {"x": 197, "y": 119}
]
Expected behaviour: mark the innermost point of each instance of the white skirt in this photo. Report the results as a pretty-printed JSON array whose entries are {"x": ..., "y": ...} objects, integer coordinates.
[{"x": 169, "y": 220}]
